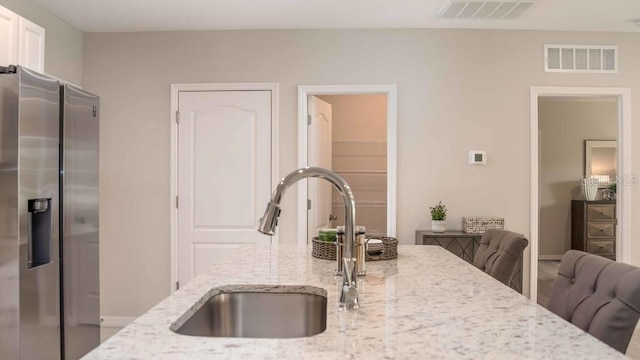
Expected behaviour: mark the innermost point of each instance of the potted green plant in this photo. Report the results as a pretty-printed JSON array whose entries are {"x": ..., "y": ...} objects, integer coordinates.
[
  {"x": 609, "y": 193},
  {"x": 438, "y": 217}
]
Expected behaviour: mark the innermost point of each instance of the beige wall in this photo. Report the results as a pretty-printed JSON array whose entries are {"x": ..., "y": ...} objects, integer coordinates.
[
  {"x": 63, "y": 42},
  {"x": 457, "y": 91},
  {"x": 564, "y": 126},
  {"x": 361, "y": 117}
]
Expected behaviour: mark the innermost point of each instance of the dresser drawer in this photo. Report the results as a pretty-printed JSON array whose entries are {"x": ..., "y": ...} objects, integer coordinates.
[
  {"x": 601, "y": 247},
  {"x": 601, "y": 229},
  {"x": 593, "y": 227},
  {"x": 601, "y": 212}
]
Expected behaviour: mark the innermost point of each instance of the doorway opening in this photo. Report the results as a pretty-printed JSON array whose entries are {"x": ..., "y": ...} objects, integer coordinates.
[
  {"x": 564, "y": 121},
  {"x": 566, "y": 125},
  {"x": 352, "y": 131}
]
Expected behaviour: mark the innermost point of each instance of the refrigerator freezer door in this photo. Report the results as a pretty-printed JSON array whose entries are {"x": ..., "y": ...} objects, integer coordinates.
[
  {"x": 9, "y": 235},
  {"x": 80, "y": 243},
  {"x": 38, "y": 153}
]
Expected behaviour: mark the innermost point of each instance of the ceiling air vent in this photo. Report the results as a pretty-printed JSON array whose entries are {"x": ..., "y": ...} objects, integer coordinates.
[
  {"x": 581, "y": 59},
  {"x": 477, "y": 9}
]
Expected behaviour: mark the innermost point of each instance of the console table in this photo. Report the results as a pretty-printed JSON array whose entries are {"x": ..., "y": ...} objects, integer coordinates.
[{"x": 464, "y": 246}]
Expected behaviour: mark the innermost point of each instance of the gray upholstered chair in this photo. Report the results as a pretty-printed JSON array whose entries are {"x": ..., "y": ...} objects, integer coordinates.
[
  {"x": 499, "y": 253},
  {"x": 598, "y": 295}
]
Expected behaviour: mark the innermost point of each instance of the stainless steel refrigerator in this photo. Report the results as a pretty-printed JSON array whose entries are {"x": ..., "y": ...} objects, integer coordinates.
[{"x": 49, "y": 298}]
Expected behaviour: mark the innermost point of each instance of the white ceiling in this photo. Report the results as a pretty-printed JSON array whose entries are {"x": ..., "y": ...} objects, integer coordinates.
[{"x": 169, "y": 15}]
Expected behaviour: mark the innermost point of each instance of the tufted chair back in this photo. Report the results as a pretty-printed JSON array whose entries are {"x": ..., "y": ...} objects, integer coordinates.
[
  {"x": 499, "y": 253},
  {"x": 598, "y": 295}
]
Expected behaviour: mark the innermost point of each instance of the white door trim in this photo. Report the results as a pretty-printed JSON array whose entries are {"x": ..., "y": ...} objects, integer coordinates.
[
  {"x": 173, "y": 158},
  {"x": 392, "y": 145},
  {"x": 623, "y": 210}
]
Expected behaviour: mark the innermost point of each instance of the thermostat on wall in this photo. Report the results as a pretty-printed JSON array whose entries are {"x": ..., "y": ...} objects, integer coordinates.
[{"x": 477, "y": 157}]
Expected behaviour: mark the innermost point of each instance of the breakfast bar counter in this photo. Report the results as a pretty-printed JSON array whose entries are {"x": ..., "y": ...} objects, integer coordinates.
[{"x": 426, "y": 304}]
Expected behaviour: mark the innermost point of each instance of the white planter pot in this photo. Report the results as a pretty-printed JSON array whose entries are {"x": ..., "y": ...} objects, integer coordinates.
[
  {"x": 589, "y": 188},
  {"x": 438, "y": 226}
]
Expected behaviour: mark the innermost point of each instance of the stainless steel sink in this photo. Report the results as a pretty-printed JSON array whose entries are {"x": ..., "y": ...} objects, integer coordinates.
[{"x": 271, "y": 312}]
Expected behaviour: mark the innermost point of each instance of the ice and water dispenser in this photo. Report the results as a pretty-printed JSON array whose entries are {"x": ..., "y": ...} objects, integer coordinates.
[{"x": 40, "y": 236}]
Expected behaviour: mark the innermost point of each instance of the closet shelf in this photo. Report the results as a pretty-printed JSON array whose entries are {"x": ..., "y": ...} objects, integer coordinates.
[
  {"x": 364, "y": 164},
  {"x": 365, "y": 180},
  {"x": 359, "y": 148},
  {"x": 363, "y": 203},
  {"x": 358, "y": 172}
]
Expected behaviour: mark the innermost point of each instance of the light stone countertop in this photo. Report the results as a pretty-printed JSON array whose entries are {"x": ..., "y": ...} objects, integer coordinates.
[{"x": 427, "y": 304}]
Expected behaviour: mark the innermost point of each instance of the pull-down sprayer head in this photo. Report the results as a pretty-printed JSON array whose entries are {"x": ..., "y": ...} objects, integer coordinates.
[{"x": 269, "y": 221}]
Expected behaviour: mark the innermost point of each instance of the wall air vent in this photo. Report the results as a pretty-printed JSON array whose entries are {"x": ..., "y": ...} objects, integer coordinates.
[
  {"x": 478, "y": 9},
  {"x": 581, "y": 59}
]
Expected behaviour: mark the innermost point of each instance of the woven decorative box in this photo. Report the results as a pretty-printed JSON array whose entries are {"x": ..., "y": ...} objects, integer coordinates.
[{"x": 479, "y": 224}]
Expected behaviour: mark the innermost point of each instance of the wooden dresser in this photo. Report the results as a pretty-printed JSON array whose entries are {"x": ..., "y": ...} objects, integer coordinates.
[{"x": 593, "y": 227}]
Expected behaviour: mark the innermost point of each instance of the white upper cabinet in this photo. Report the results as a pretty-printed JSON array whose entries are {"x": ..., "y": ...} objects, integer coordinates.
[
  {"x": 30, "y": 45},
  {"x": 8, "y": 37},
  {"x": 21, "y": 41}
]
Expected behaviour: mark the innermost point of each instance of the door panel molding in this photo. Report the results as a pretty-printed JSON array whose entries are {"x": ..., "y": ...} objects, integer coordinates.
[
  {"x": 173, "y": 159},
  {"x": 392, "y": 145}
]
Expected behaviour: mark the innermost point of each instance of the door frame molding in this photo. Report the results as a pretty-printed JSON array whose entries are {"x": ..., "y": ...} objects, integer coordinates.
[
  {"x": 623, "y": 210},
  {"x": 173, "y": 158},
  {"x": 391, "y": 90}
]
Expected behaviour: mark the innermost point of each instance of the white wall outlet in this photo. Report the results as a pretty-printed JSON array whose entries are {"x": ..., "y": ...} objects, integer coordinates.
[{"x": 477, "y": 157}]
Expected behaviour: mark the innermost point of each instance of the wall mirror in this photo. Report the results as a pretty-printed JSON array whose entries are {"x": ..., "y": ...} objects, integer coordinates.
[{"x": 601, "y": 161}]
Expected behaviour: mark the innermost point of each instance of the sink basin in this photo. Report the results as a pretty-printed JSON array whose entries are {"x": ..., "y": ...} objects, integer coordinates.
[{"x": 259, "y": 311}]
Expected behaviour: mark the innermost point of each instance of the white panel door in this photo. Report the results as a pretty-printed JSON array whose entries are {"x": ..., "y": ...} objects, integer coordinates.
[
  {"x": 30, "y": 45},
  {"x": 8, "y": 37},
  {"x": 224, "y": 174},
  {"x": 319, "y": 154}
]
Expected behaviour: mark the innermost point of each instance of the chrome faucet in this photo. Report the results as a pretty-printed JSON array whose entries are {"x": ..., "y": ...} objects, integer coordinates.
[{"x": 268, "y": 223}]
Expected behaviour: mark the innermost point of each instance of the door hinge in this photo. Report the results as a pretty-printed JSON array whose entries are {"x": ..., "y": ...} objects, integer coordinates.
[
  {"x": 177, "y": 117},
  {"x": 177, "y": 285},
  {"x": 308, "y": 119},
  {"x": 176, "y": 201},
  {"x": 308, "y": 204}
]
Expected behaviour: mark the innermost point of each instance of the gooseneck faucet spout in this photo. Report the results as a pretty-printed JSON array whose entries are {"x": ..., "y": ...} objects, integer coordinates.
[{"x": 268, "y": 223}]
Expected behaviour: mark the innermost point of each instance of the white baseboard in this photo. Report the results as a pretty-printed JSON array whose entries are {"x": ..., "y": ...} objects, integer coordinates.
[
  {"x": 116, "y": 321},
  {"x": 549, "y": 257}
]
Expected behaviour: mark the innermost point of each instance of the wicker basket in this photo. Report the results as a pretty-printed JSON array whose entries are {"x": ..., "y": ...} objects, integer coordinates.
[
  {"x": 323, "y": 249},
  {"x": 327, "y": 250}
]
